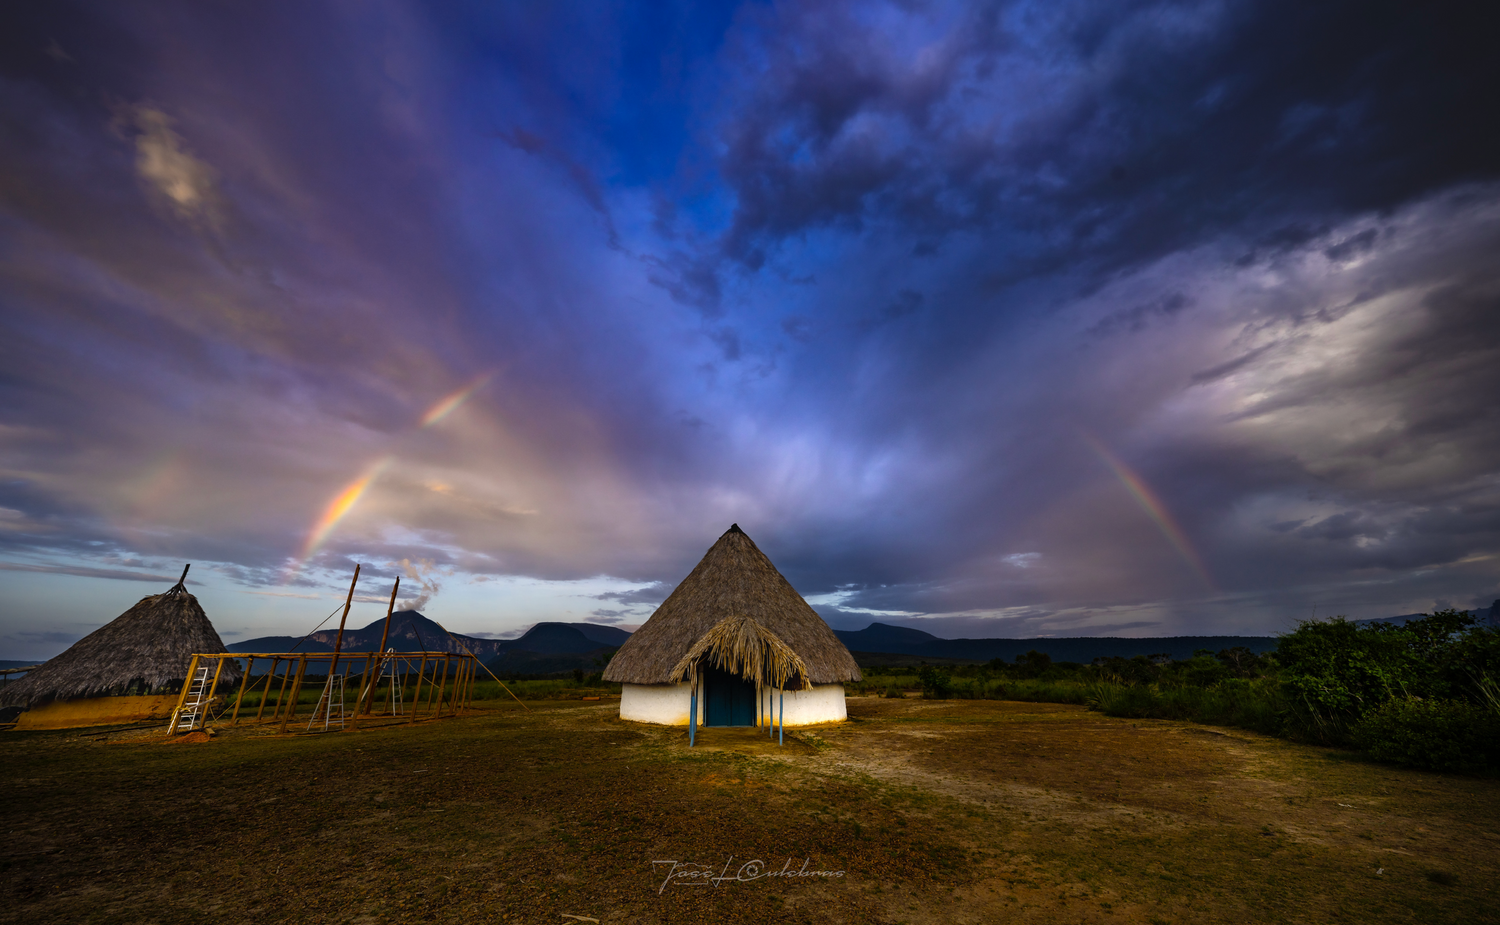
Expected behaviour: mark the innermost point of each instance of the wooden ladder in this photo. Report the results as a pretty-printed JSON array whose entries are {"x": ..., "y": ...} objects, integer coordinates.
[
  {"x": 330, "y": 705},
  {"x": 194, "y": 704}
]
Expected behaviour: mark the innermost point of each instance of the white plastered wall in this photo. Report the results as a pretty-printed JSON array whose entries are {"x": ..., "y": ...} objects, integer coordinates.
[
  {"x": 668, "y": 704},
  {"x": 823, "y": 704},
  {"x": 657, "y": 703}
]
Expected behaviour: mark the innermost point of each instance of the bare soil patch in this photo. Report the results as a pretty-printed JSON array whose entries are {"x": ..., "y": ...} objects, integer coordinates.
[{"x": 972, "y": 811}]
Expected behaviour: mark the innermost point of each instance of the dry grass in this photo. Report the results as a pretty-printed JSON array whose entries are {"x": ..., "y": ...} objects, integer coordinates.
[{"x": 969, "y": 812}]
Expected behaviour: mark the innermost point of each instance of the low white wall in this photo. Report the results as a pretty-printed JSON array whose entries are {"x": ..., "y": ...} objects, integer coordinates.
[
  {"x": 823, "y": 704},
  {"x": 668, "y": 704},
  {"x": 658, "y": 703}
]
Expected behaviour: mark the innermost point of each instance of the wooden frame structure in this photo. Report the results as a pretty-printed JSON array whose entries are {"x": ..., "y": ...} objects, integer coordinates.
[
  {"x": 442, "y": 700},
  {"x": 449, "y": 678}
]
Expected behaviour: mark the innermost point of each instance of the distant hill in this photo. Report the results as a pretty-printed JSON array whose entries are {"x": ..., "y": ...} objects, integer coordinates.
[
  {"x": 531, "y": 663},
  {"x": 551, "y": 648},
  {"x": 882, "y": 637},
  {"x": 900, "y": 640},
  {"x": 411, "y": 631},
  {"x": 1490, "y": 617},
  {"x": 566, "y": 639}
]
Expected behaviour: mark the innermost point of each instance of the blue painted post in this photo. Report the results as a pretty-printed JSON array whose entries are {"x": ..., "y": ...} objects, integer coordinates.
[
  {"x": 782, "y": 725},
  {"x": 692, "y": 711}
]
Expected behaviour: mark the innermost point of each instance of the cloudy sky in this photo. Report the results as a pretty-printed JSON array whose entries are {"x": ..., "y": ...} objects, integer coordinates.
[{"x": 992, "y": 319}]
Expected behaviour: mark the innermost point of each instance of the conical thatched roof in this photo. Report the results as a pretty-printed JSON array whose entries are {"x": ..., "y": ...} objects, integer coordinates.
[
  {"x": 733, "y": 580},
  {"x": 151, "y": 645}
]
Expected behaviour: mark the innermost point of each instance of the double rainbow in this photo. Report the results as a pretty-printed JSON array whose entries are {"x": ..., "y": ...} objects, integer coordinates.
[{"x": 348, "y": 496}]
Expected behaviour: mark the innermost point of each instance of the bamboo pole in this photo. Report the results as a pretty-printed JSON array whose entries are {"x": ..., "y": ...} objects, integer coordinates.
[
  {"x": 360, "y": 700},
  {"x": 470, "y": 652},
  {"x": 291, "y": 707},
  {"x": 267, "y": 695},
  {"x": 405, "y": 679},
  {"x": 215, "y": 685},
  {"x": 384, "y": 635},
  {"x": 338, "y": 642},
  {"x": 187, "y": 685},
  {"x": 240, "y": 697},
  {"x": 286, "y": 678},
  {"x": 326, "y": 698},
  {"x": 442, "y": 686},
  {"x": 416, "y": 696},
  {"x": 458, "y": 683},
  {"x": 344, "y": 693}
]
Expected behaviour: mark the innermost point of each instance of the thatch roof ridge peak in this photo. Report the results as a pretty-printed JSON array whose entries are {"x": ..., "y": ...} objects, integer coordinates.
[{"x": 733, "y": 578}]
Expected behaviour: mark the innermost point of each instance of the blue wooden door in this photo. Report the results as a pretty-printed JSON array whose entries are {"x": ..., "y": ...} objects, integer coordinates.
[{"x": 729, "y": 700}]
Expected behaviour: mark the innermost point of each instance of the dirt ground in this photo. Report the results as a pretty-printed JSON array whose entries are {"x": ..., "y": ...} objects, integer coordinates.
[{"x": 914, "y": 811}]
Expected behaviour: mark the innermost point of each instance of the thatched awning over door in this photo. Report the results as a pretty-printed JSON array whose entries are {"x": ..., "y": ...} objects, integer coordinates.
[{"x": 743, "y": 647}]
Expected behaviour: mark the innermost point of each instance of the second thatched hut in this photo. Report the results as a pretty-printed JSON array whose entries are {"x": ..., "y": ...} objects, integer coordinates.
[
  {"x": 127, "y": 670},
  {"x": 736, "y": 632}
]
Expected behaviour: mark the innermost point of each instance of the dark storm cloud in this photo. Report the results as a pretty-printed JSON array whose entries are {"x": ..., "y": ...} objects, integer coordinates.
[
  {"x": 1357, "y": 394},
  {"x": 1071, "y": 317},
  {"x": 1107, "y": 138},
  {"x": 1112, "y": 132}
]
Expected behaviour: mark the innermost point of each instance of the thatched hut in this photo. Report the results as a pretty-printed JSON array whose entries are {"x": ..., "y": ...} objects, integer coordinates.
[
  {"x": 126, "y": 670},
  {"x": 737, "y": 633}
]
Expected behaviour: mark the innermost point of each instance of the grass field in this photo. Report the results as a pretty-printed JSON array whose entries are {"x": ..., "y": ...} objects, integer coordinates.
[{"x": 933, "y": 811}]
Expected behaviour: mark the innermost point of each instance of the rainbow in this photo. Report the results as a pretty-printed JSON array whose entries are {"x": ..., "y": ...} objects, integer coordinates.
[
  {"x": 1154, "y": 509},
  {"x": 341, "y": 504},
  {"x": 449, "y": 403},
  {"x": 349, "y": 495}
]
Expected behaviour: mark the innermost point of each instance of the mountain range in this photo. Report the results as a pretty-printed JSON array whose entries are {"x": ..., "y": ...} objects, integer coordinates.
[
  {"x": 885, "y": 639},
  {"x": 556, "y": 647},
  {"x": 412, "y": 631}
]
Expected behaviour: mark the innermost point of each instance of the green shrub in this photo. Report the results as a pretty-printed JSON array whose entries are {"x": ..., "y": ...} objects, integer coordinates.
[
  {"x": 894, "y": 693},
  {"x": 1037, "y": 691},
  {"x": 1438, "y": 735},
  {"x": 1257, "y": 704},
  {"x": 1335, "y": 672},
  {"x": 937, "y": 683}
]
